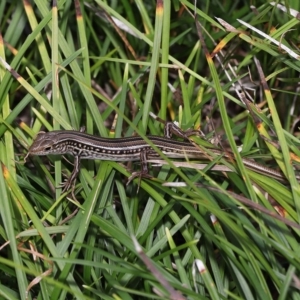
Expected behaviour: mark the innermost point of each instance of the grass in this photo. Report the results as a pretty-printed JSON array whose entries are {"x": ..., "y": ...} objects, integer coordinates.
[{"x": 208, "y": 234}]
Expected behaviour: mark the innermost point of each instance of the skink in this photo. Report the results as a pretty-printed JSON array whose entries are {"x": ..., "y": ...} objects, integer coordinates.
[{"x": 85, "y": 146}]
